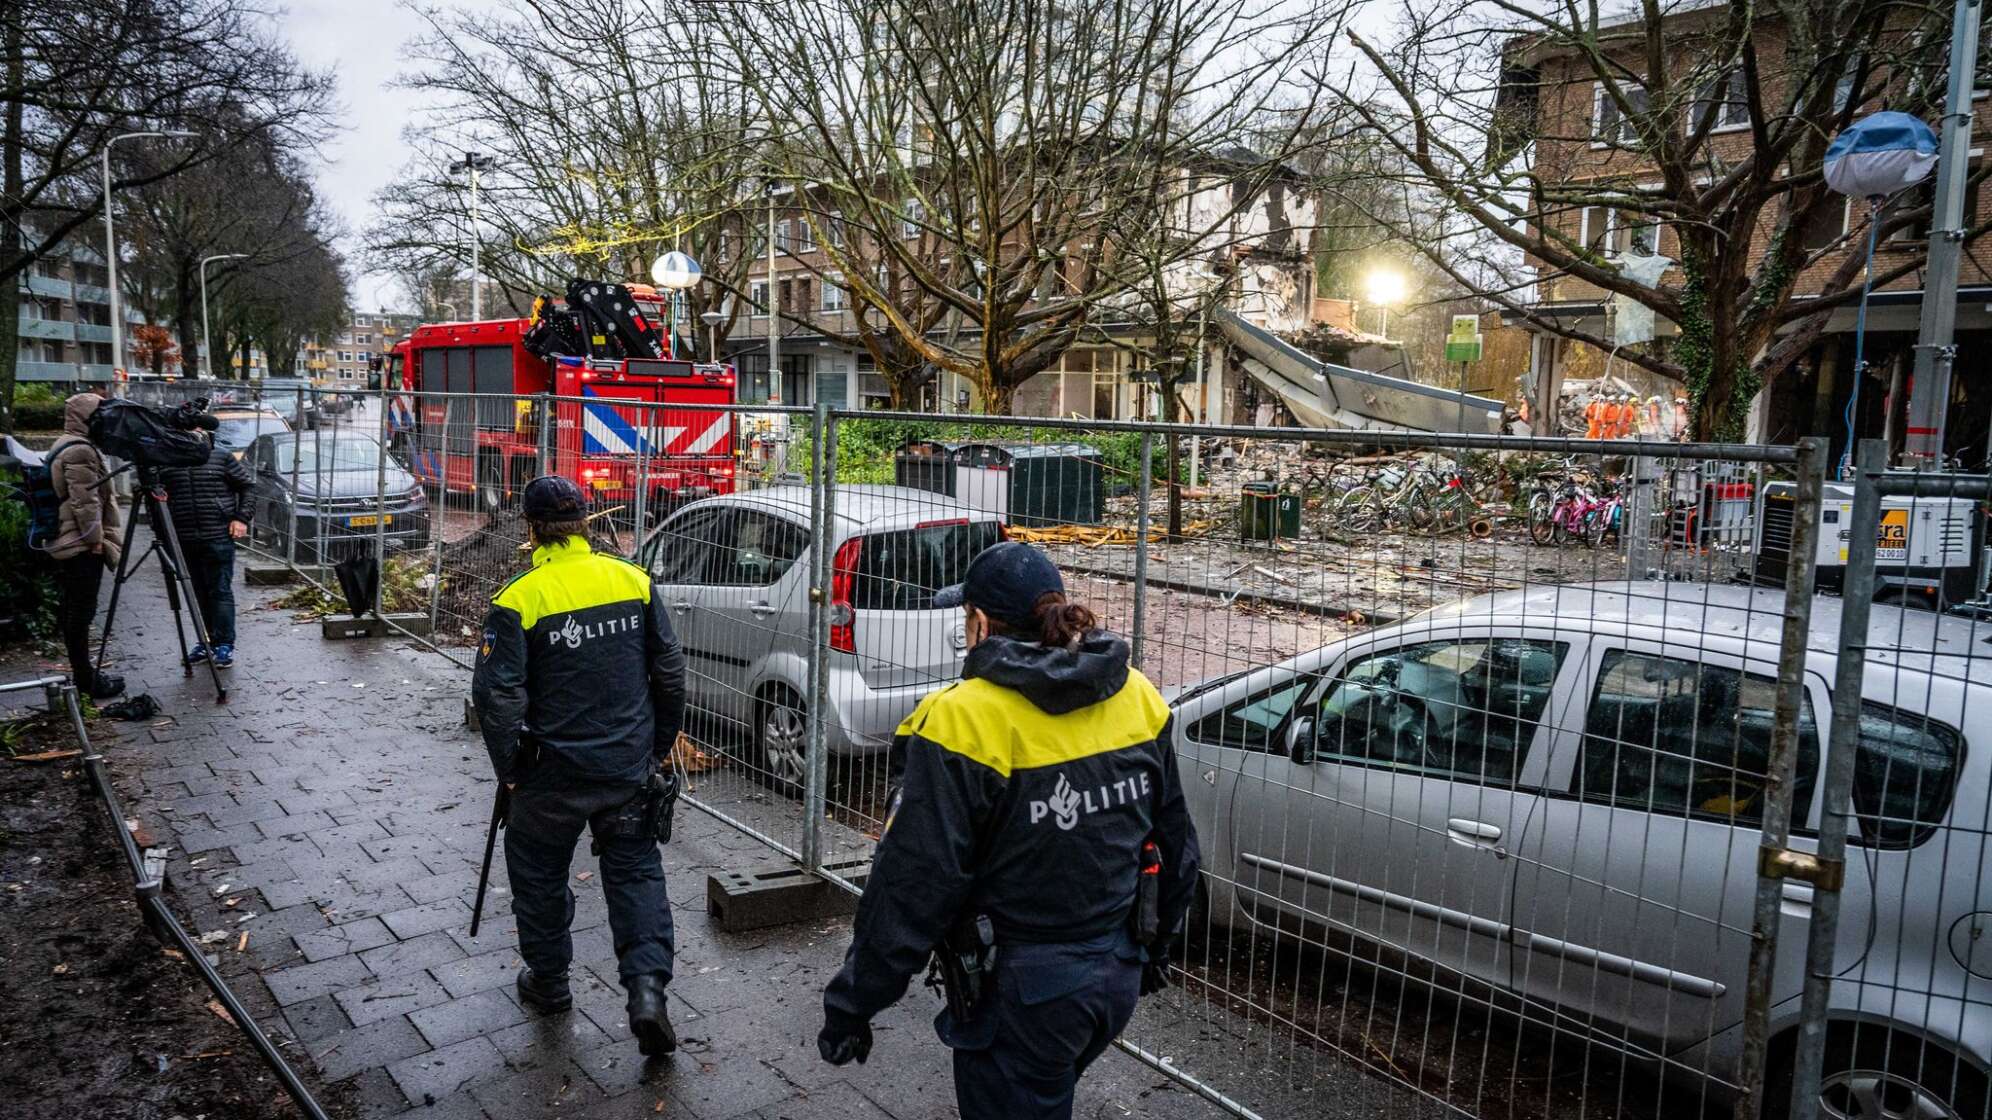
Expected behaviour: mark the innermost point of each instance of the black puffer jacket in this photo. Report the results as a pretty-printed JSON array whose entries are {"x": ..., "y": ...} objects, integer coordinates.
[
  {"x": 204, "y": 499},
  {"x": 1027, "y": 790}
]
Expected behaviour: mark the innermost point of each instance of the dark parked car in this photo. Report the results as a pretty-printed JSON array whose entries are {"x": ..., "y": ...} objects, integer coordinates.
[{"x": 335, "y": 508}]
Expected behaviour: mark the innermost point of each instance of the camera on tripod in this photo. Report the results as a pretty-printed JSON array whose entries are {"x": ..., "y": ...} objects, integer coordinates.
[{"x": 150, "y": 437}]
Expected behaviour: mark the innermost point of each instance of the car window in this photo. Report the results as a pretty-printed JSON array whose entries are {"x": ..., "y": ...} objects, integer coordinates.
[
  {"x": 754, "y": 549},
  {"x": 1253, "y": 723},
  {"x": 1464, "y": 709},
  {"x": 1669, "y": 735},
  {"x": 1905, "y": 770},
  {"x": 682, "y": 549},
  {"x": 900, "y": 570}
]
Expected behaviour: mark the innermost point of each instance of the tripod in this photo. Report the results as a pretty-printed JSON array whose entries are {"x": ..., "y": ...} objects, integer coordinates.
[{"x": 172, "y": 563}]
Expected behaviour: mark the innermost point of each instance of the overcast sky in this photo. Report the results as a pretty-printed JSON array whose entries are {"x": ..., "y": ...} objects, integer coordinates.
[{"x": 361, "y": 42}]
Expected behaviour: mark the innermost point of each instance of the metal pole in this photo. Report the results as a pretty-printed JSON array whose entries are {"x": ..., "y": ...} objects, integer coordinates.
[
  {"x": 1853, "y": 417},
  {"x": 1793, "y": 647},
  {"x": 380, "y": 513},
  {"x": 823, "y": 505},
  {"x": 1141, "y": 523},
  {"x": 1930, "y": 384},
  {"x": 1841, "y": 740},
  {"x": 1196, "y": 442},
  {"x": 111, "y": 245},
  {"x": 297, "y": 453},
  {"x": 476, "y": 247},
  {"x": 774, "y": 311}
]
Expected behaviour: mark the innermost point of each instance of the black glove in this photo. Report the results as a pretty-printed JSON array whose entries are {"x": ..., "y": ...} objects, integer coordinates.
[
  {"x": 1154, "y": 976},
  {"x": 843, "y": 1038}
]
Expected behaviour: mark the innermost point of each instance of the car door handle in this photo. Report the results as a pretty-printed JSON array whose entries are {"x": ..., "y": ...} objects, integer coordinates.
[
  {"x": 1476, "y": 834},
  {"x": 681, "y": 606},
  {"x": 762, "y": 609},
  {"x": 1795, "y": 899}
]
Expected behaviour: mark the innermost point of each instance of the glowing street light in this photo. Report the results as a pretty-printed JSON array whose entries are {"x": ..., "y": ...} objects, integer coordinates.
[{"x": 1384, "y": 286}]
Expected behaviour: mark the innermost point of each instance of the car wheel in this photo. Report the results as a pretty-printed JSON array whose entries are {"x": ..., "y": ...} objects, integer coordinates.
[
  {"x": 491, "y": 484},
  {"x": 1871, "y": 1073},
  {"x": 781, "y": 741}
]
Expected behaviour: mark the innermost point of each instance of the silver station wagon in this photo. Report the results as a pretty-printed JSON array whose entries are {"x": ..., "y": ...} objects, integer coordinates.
[
  {"x": 734, "y": 571},
  {"x": 1557, "y": 793}
]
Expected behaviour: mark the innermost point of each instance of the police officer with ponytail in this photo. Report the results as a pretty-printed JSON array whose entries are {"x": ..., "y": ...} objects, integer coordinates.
[{"x": 1037, "y": 850}]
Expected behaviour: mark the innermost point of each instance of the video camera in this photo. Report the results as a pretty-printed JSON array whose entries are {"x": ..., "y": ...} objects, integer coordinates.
[{"x": 153, "y": 437}]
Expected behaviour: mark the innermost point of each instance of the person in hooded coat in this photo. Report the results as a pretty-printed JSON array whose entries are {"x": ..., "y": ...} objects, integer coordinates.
[
  {"x": 89, "y": 540},
  {"x": 1027, "y": 792}
]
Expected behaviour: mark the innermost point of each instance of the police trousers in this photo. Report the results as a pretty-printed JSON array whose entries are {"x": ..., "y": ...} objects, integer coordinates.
[
  {"x": 1054, "y": 1009},
  {"x": 546, "y": 821}
]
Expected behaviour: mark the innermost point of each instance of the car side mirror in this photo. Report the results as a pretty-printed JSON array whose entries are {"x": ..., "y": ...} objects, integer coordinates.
[{"x": 1300, "y": 740}]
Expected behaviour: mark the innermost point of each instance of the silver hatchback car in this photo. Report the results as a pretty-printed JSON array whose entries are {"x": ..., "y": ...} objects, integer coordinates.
[
  {"x": 734, "y": 571},
  {"x": 1557, "y": 793}
]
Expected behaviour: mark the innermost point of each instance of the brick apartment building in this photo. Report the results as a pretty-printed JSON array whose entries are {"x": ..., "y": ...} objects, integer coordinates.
[
  {"x": 1273, "y": 286},
  {"x": 348, "y": 356},
  {"x": 1575, "y": 126}
]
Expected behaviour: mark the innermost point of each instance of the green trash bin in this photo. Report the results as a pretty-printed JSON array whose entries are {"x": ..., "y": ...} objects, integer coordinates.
[{"x": 1268, "y": 511}]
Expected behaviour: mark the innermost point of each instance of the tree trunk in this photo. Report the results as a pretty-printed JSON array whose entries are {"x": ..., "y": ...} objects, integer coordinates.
[{"x": 10, "y": 237}]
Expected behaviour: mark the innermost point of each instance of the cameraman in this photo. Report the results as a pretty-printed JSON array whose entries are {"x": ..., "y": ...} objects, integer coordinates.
[
  {"x": 88, "y": 540},
  {"x": 209, "y": 505}
]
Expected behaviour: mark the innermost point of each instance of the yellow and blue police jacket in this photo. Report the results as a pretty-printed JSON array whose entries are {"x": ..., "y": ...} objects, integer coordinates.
[
  {"x": 578, "y": 653},
  {"x": 1026, "y": 792}
]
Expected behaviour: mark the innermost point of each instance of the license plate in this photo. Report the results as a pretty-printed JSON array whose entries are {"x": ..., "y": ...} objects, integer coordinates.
[
  {"x": 368, "y": 519},
  {"x": 605, "y": 484}
]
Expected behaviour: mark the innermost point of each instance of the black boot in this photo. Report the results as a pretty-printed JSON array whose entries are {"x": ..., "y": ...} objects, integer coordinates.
[
  {"x": 106, "y": 686},
  {"x": 547, "y": 993},
  {"x": 648, "y": 1019}
]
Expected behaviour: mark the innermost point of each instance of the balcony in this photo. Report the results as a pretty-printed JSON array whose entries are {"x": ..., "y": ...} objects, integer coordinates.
[
  {"x": 50, "y": 286},
  {"x": 45, "y": 371},
  {"x": 48, "y": 328},
  {"x": 91, "y": 293},
  {"x": 91, "y": 332},
  {"x": 94, "y": 372}
]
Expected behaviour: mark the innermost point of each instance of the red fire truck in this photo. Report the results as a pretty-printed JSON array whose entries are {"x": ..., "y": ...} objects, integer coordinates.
[{"x": 493, "y": 445}]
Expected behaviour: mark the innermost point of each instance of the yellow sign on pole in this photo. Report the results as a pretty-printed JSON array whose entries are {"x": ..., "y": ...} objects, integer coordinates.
[{"x": 1463, "y": 344}]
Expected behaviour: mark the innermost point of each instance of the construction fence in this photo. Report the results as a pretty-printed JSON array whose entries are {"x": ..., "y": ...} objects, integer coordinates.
[{"x": 1531, "y": 776}]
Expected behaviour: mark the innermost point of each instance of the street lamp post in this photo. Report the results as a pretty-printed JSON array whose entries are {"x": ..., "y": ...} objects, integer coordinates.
[
  {"x": 111, "y": 241},
  {"x": 774, "y": 309},
  {"x": 1386, "y": 287},
  {"x": 207, "y": 348},
  {"x": 474, "y": 163},
  {"x": 712, "y": 320}
]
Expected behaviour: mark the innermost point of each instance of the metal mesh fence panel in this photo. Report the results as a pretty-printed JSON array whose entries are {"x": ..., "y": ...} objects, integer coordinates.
[
  {"x": 1895, "y": 1009},
  {"x": 1476, "y": 737}
]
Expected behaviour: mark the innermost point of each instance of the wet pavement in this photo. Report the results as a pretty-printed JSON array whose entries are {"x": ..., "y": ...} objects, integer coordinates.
[{"x": 327, "y": 825}]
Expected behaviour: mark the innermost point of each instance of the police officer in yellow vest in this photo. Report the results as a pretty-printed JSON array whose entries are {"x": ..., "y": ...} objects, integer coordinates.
[
  {"x": 1039, "y": 835},
  {"x": 580, "y": 691}
]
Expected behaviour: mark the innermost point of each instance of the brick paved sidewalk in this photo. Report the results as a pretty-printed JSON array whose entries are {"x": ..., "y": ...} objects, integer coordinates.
[{"x": 340, "y": 806}]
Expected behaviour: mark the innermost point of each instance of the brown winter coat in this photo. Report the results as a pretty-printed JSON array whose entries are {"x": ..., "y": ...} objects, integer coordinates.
[{"x": 89, "y": 511}]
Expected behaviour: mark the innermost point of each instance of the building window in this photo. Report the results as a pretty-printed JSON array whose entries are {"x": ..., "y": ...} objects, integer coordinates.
[
  {"x": 345, "y": 355},
  {"x": 48, "y": 267},
  {"x": 1609, "y": 127},
  {"x": 833, "y": 293},
  {"x": 757, "y": 294},
  {"x": 1727, "y": 98},
  {"x": 909, "y": 226},
  {"x": 836, "y": 229},
  {"x": 805, "y": 236},
  {"x": 1827, "y": 224},
  {"x": 782, "y": 242},
  {"x": 1611, "y": 232}
]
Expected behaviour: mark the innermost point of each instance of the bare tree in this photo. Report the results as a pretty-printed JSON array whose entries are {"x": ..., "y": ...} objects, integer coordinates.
[
  {"x": 993, "y": 152},
  {"x": 76, "y": 73},
  {"x": 1555, "y": 144},
  {"x": 606, "y": 151}
]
